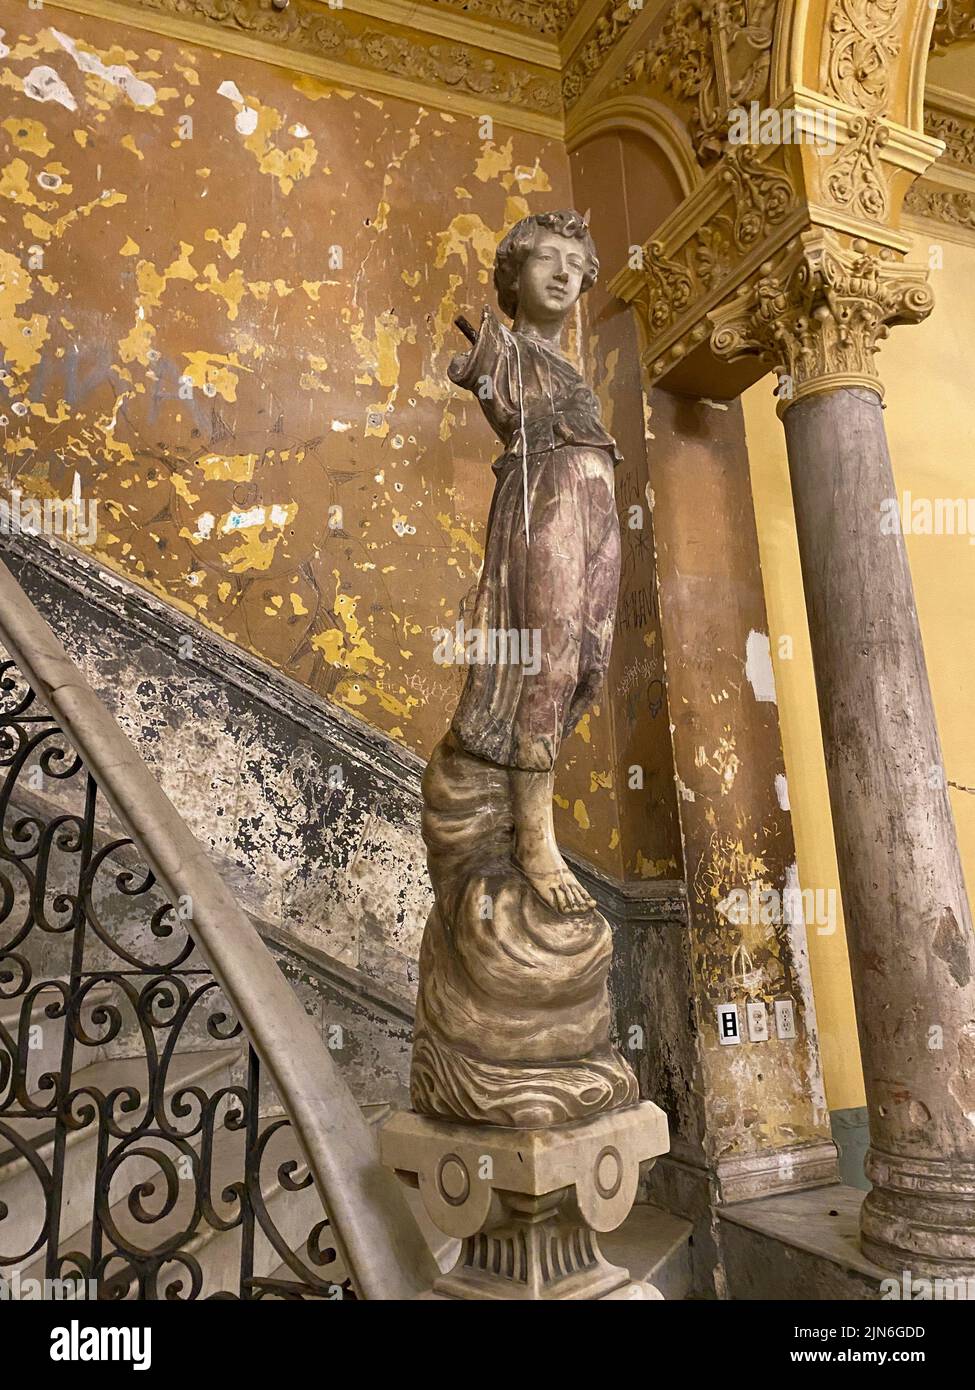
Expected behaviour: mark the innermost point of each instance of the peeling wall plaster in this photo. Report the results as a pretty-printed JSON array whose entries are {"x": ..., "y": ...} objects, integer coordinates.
[{"x": 270, "y": 434}]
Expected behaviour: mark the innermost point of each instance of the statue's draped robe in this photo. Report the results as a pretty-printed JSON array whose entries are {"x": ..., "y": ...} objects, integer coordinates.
[
  {"x": 513, "y": 1015},
  {"x": 559, "y": 584}
]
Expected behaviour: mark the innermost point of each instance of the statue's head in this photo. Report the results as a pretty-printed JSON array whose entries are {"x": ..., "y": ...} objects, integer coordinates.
[{"x": 543, "y": 265}]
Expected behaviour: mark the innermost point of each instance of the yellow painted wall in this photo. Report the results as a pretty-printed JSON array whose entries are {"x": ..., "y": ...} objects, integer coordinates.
[
  {"x": 227, "y": 295},
  {"x": 931, "y": 429}
]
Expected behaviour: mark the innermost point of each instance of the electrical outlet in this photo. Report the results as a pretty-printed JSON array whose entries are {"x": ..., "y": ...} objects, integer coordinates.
[
  {"x": 729, "y": 1028},
  {"x": 757, "y": 1015},
  {"x": 785, "y": 1019}
]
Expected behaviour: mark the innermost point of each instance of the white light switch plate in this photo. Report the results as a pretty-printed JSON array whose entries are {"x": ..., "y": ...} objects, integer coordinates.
[{"x": 729, "y": 1027}]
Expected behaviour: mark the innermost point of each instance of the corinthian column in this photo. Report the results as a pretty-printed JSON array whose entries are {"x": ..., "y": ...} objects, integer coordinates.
[{"x": 818, "y": 316}]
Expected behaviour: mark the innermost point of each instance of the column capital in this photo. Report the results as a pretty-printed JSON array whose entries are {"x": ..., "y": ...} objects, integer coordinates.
[{"x": 818, "y": 313}]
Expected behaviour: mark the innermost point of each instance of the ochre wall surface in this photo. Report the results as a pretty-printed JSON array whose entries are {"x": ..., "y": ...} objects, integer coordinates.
[
  {"x": 315, "y": 385},
  {"x": 931, "y": 434},
  {"x": 620, "y": 176}
]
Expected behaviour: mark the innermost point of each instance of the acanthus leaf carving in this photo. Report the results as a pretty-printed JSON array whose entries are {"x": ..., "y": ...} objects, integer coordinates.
[
  {"x": 819, "y": 315},
  {"x": 762, "y": 195},
  {"x": 861, "y": 42},
  {"x": 854, "y": 178},
  {"x": 710, "y": 55}
]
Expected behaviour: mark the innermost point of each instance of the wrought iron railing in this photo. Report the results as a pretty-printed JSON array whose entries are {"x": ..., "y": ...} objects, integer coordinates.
[{"x": 139, "y": 1150}]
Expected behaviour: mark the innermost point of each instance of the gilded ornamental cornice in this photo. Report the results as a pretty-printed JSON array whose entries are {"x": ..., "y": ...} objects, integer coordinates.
[
  {"x": 427, "y": 52},
  {"x": 751, "y": 204}
]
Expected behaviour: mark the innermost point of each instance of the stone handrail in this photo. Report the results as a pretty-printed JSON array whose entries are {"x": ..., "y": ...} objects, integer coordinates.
[{"x": 384, "y": 1250}]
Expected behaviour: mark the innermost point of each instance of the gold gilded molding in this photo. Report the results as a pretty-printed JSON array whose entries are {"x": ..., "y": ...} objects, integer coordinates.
[
  {"x": 739, "y": 215},
  {"x": 354, "y": 49},
  {"x": 954, "y": 21},
  {"x": 551, "y": 17},
  {"x": 818, "y": 315},
  {"x": 954, "y": 207},
  {"x": 958, "y": 133},
  {"x": 613, "y": 22},
  {"x": 861, "y": 45},
  {"x": 854, "y": 179},
  {"x": 709, "y": 58}
]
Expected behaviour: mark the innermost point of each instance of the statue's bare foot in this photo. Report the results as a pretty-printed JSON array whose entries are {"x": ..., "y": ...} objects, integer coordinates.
[{"x": 554, "y": 882}]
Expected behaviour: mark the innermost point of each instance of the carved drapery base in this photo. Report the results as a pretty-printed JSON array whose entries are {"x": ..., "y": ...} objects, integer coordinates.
[
  {"x": 513, "y": 1018},
  {"x": 920, "y": 1215},
  {"x": 819, "y": 313},
  {"x": 528, "y": 1204}
]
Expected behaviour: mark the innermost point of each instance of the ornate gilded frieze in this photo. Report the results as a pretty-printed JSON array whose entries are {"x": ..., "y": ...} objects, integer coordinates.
[
  {"x": 745, "y": 205},
  {"x": 948, "y": 205},
  {"x": 957, "y": 132},
  {"x": 536, "y": 16},
  {"x": 613, "y": 22},
  {"x": 392, "y": 54},
  {"x": 709, "y": 59},
  {"x": 955, "y": 20},
  {"x": 818, "y": 315}
]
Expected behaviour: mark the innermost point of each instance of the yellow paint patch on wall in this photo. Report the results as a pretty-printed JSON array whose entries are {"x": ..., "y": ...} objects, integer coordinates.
[
  {"x": 229, "y": 243},
  {"x": 256, "y": 548},
  {"x": 532, "y": 180},
  {"x": 215, "y": 369},
  {"x": 182, "y": 489},
  {"x": 495, "y": 160},
  {"x": 580, "y": 814},
  {"x": 380, "y": 353},
  {"x": 27, "y": 135},
  {"x": 261, "y": 123},
  {"x": 654, "y": 868},
  {"x": 224, "y": 468},
  {"x": 460, "y": 535},
  {"x": 583, "y": 729},
  {"x": 467, "y": 232},
  {"x": 45, "y": 231},
  {"x": 21, "y": 339},
  {"x": 347, "y": 644},
  {"x": 231, "y": 290},
  {"x": 15, "y": 185}
]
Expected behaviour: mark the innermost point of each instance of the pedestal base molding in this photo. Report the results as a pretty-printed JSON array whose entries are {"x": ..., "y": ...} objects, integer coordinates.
[
  {"x": 920, "y": 1215},
  {"x": 528, "y": 1204}
]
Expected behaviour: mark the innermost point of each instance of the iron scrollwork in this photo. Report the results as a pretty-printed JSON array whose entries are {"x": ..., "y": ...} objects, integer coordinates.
[{"x": 140, "y": 1155}]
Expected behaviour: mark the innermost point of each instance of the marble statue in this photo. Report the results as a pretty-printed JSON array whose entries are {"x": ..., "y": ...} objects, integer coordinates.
[{"x": 513, "y": 1018}]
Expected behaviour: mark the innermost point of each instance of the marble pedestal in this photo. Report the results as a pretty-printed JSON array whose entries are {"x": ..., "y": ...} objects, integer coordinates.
[{"x": 528, "y": 1204}]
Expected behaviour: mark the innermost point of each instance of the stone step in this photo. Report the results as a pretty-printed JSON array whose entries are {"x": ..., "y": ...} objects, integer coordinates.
[
  {"x": 20, "y": 1186},
  {"x": 799, "y": 1246},
  {"x": 208, "y": 1259},
  {"x": 655, "y": 1247}
]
